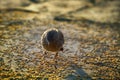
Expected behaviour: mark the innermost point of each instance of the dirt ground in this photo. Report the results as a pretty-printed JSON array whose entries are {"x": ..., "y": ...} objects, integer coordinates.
[{"x": 92, "y": 39}]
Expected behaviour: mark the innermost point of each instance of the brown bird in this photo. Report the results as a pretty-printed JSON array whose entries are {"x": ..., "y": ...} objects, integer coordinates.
[{"x": 52, "y": 40}]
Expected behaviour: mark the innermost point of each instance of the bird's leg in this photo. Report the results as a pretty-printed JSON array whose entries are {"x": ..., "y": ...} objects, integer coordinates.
[
  {"x": 56, "y": 55},
  {"x": 44, "y": 54},
  {"x": 43, "y": 57},
  {"x": 55, "y": 58}
]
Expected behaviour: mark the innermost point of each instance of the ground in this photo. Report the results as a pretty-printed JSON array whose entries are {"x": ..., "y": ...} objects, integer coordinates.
[{"x": 91, "y": 32}]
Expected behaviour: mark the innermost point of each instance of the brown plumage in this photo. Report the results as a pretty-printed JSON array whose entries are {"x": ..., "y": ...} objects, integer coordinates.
[{"x": 52, "y": 40}]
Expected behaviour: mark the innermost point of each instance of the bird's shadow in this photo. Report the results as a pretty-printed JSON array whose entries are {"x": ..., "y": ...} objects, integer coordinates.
[{"x": 79, "y": 74}]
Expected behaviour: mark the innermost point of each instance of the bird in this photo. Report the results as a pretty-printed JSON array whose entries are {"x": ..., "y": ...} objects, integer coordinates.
[{"x": 52, "y": 40}]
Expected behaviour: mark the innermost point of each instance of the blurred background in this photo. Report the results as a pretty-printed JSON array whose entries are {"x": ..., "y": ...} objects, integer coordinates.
[{"x": 93, "y": 10}]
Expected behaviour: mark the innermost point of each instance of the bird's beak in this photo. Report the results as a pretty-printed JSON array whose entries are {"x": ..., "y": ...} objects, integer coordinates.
[{"x": 61, "y": 49}]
